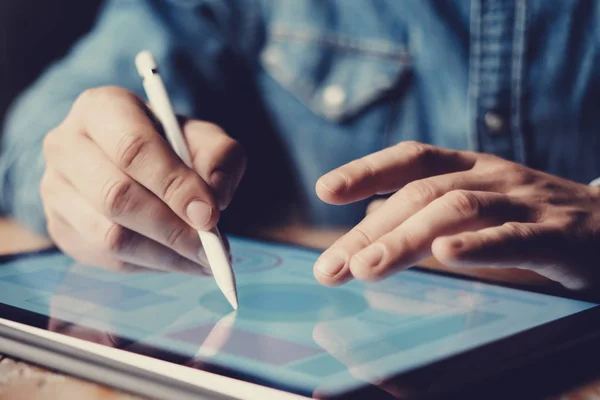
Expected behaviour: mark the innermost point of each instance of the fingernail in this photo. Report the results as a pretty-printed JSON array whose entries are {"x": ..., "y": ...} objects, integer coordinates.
[
  {"x": 330, "y": 264},
  {"x": 333, "y": 181},
  {"x": 199, "y": 213},
  {"x": 371, "y": 256}
]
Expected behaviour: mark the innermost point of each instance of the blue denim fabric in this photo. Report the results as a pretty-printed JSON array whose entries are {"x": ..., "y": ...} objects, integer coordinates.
[{"x": 322, "y": 82}]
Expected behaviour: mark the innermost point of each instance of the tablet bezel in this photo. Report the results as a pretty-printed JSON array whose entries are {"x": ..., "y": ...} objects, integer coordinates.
[{"x": 41, "y": 347}]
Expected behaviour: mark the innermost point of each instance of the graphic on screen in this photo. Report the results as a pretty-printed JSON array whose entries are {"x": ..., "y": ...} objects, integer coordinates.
[
  {"x": 255, "y": 260},
  {"x": 289, "y": 330}
]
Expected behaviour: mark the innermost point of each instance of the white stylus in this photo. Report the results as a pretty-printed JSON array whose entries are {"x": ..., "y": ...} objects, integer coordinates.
[{"x": 162, "y": 108}]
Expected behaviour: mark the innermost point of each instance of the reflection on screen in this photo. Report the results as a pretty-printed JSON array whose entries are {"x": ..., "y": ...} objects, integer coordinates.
[{"x": 289, "y": 330}]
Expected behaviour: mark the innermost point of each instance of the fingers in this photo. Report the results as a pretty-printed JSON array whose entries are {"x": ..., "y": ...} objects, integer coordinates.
[
  {"x": 374, "y": 205},
  {"x": 388, "y": 170},
  {"x": 70, "y": 242},
  {"x": 410, "y": 242},
  {"x": 121, "y": 199},
  {"x": 119, "y": 124},
  {"x": 510, "y": 245},
  {"x": 541, "y": 247},
  {"x": 332, "y": 266},
  {"x": 92, "y": 239},
  {"x": 109, "y": 151},
  {"x": 220, "y": 160}
]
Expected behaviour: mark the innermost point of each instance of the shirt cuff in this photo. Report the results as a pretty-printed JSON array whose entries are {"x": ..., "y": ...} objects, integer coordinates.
[{"x": 595, "y": 182}]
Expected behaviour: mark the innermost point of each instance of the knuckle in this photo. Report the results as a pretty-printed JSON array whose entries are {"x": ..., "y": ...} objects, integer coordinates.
[
  {"x": 132, "y": 149},
  {"x": 101, "y": 94},
  {"x": 512, "y": 174},
  {"x": 510, "y": 168},
  {"x": 50, "y": 144},
  {"x": 356, "y": 171},
  {"x": 367, "y": 168},
  {"x": 519, "y": 229},
  {"x": 171, "y": 185},
  {"x": 350, "y": 173},
  {"x": 117, "y": 239},
  {"x": 489, "y": 160},
  {"x": 407, "y": 242},
  {"x": 362, "y": 236},
  {"x": 118, "y": 197},
  {"x": 86, "y": 97},
  {"x": 463, "y": 202},
  {"x": 576, "y": 223},
  {"x": 422, "y": 192},
  {"x": 416, "y": 149}
]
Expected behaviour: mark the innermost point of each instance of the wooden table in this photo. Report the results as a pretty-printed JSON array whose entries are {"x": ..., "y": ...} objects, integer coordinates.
[{"x": 19, "y": 380}]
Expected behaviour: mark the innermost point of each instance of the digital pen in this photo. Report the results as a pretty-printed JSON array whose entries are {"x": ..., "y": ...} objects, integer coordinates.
[{"x": 162, "y": 108}]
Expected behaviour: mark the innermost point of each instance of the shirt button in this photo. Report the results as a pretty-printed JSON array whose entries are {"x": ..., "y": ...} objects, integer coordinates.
[
  {"x": 334, "y": 97},
  {"x": 494, "y": 122},
  {"x": 272, "y": 56}
]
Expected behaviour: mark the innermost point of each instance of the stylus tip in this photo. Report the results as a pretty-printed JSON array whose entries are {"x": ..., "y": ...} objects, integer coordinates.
[{"x": 232, "y": 299}]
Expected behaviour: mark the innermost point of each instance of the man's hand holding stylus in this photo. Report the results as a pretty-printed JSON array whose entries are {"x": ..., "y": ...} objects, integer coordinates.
[{"x": 115, "y": 194}]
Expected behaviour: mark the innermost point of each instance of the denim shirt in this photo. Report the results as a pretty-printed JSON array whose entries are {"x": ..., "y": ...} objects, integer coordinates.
[{"x": 308, "y": 85}]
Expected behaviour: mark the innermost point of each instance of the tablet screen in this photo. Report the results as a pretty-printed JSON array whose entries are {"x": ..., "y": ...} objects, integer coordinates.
[{"x": 289, "y": 331}]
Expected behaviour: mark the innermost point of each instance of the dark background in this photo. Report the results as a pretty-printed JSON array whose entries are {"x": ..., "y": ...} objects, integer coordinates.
[{"x": 33, "y": 33}]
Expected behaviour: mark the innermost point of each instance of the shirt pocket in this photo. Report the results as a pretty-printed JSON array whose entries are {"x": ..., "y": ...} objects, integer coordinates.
[
  {"x": 188, "y": 3},
  {"x": 335, "y": 76}
]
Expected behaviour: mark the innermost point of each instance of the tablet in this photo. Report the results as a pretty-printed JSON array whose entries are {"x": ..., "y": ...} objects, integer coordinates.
[{"x": 161, "y": 334}]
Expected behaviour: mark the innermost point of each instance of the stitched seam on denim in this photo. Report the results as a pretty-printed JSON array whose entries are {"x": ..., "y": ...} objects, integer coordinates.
[
  {"x": 301, "y": 88},
  {"x": 517, "y": 71},
  {"x": 474, "y": 75},
  {"x": 184, "y": 3},
  {"x": 304, "y": 90},
  {"x": 365, "y": 98},
  {"x": 369, "y": 47}
]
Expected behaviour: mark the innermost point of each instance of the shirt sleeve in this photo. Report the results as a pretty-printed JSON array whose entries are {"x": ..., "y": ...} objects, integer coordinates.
[{"x": 106, "y": 57}]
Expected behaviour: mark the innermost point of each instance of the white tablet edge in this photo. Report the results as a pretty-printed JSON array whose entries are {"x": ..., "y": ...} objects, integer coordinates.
[{"x": 217, "y": 383}]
